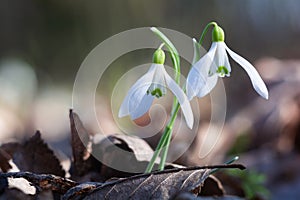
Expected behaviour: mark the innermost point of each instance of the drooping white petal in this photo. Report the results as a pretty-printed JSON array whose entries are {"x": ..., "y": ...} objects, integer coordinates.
[
  {"x": 209, "y": 85},
  {"x": 142, "y": 107},
  {"x": 199, "y": 73},
  {"x": 227, "y": 64},
  {"x": 136, "y": 93},
  {"x": 195, "y": 81},
  {"x": 256, "y": 80},
  {"x": 182, "y": 99},
  {"x": 223, "y": 57},
  {"x": 196, "y": 46}
]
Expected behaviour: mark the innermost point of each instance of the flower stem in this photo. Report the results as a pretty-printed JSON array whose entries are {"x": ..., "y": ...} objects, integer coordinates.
[
  {"x": 156, "y": 152},
  {"x": 165, "y": 139},
  {"x": 172, "y": 50},
  {"x": 169, "y": 136},
  {"x": 205, "y": 31}
]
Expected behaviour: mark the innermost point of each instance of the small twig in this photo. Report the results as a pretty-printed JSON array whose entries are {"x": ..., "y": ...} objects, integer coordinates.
[
  {"x": 44, "y": 181},
  {"x": 224, "y": 166}
]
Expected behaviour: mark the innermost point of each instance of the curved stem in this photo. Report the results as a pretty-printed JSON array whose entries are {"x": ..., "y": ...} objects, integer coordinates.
[
  {"x": 172, "y": 51},
  {"x": 161, "y": 45},
  {"x": 205, "y": 31}
]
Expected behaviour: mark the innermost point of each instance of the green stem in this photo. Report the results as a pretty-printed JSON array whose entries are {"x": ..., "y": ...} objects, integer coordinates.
[
  {"x": 172, "y": 50},
  {"x": 164, "y": 142},
  {"x": 156, "y": 152},
  {"x": 205, "y": 31},
  {"x": 161, "y": 45},
  {"x": 169, "y": 136}
]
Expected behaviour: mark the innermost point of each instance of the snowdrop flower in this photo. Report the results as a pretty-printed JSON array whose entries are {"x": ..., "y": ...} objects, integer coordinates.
[
  {"x": 154, "y": 84},
  {"x": 204, "y": 74}
]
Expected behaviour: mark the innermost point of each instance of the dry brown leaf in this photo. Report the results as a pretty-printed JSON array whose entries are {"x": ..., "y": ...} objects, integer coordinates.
[
  {"x": 158, "y": 185},
  {"x": 80, "y": 141},
  {"x": 212, "y": 187},
  {"x": 4, "y": 160},
  {"x": 154, "y": 186},
  {"x": 35, "y": 156},
  {"x": 129, "y": 153},
  {"x": 78, "y": 191}
]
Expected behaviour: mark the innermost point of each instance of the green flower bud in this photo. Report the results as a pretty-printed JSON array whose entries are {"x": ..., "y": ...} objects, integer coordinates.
[
  {"x": 159, "y": 57},
  {"x": 218, "y": 34}
]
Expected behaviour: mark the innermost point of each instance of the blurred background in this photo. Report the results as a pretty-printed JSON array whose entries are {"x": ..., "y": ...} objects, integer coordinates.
[{"x": 43, "y": 43}]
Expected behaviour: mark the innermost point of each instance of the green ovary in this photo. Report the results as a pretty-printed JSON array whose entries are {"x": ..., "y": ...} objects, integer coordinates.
[{"x": 222, "y": 71}]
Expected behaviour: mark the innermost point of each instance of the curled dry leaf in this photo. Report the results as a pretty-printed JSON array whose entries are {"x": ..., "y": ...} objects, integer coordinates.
[
  {"x": 80, "y": 143},
  {"x": 121, "y": 155},
  {"x": 140, "y": 148}
]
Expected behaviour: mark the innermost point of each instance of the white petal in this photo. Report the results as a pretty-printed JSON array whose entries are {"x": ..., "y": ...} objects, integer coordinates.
[
  {"x": 256, "y": 80},
  {"x": 210, "y": 84},
  {"x": 142, "y": 107},
  {"x": 136, "y": 93},
  {"x": 222, "y": 57},
  {"x": 182, "y": 99},
  {"x": 199, "y": 73},
  {"x": 159, "y": 79},
  {"x": 220, "y": 52},
  {"x": 196, "y": 56},
  {"x": 195, "y": 81}
]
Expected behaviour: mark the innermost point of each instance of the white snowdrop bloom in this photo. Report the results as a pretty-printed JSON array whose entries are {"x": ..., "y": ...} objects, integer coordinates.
[
  {"x": 203, "y": 76},
  {"x": 154, "y": 84}
]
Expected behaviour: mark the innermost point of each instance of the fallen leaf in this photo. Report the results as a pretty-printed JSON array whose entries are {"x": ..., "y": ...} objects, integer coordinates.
[
  {"x": 157, "y": 185},
  {"x": 140, "y": 148},
  {"x": 4, "y": 160},
  {"x": 79, "y": 191},
  {"x": 35, "y": 156},
  {"x": 212, "y": 187},
  {"x": 121, "y": 155},
  {"x": 80, "y": 143}
]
